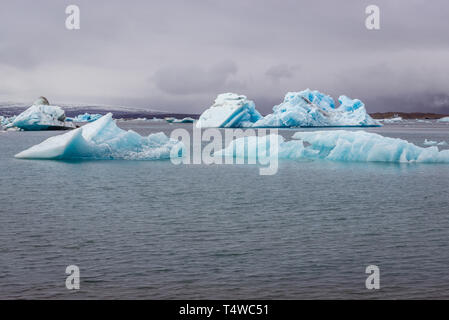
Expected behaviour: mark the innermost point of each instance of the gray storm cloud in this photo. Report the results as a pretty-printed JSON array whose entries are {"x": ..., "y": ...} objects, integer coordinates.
[
  {"x": 182, "y": 80},
  {"x": 178, "y": 55}
]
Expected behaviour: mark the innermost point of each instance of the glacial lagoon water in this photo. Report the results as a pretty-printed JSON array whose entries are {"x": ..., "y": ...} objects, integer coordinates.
[{"x": 154, "y": 230}]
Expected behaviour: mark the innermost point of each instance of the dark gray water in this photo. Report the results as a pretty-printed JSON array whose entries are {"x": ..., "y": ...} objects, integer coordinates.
[{"x": 150, "y": 229}]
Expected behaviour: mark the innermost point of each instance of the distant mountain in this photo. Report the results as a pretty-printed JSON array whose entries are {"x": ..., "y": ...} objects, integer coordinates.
[
  {"x": 9, "y": 109},
  {"x": 407, "y": 115}
]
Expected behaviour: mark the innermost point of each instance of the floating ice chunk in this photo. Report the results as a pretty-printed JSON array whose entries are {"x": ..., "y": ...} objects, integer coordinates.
[
  {"x": 366, "y": 146},
  {"x": 6, "y": 121},
  {"x": 42, "y": 116},
  {"x": 392, "y": 120},
  {"x": 445, "y": 119},
  {"x": 184, "y": 120},
  {"x": 430, "y": 142},
  {"x": 102, "y": 139},
  {"x": 358, "y": 146},
  {"x": 154, "y": 119},
  {"x": 86, "y": 117},
  {"x": 230, "y": 110},
  {"x": 314, "y": 109},
  {"x": 434, "y": 143}
]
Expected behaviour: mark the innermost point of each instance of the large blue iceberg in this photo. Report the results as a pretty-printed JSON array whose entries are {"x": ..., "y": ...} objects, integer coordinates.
[
  {"x": 103, "y": 139},
  {"x": 306, "y": 108},
  {"x": 336, "y": 145}
]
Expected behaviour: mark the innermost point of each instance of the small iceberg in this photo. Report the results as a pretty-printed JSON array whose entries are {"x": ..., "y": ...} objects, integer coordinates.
[
  {"x": 306, "y": 108},
  {"x": 184, "y": 120},
  {"x": 445, "y": 119},
  {"x": 392, "y": 120},
  {"x": 103, "y": 139},
  {"x": 434, "y": 143},
  {"x": 337, "y": 145},
  {"x": 86, "y": 117},
  {"x": 430, "y": 142},
  {"x": 6, "y": 121},
  {"x": 154, "y": 119},
  {"x": 42, "y": 116},
  {"x": 229, "y": 110}
]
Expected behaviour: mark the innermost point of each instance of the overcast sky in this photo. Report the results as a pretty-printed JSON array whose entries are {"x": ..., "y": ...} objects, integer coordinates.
[{"x": 178, "y": 55}]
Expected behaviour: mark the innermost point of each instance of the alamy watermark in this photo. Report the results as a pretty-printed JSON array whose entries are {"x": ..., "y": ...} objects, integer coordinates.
[
  {"x": 373, "y": 280},
  {"x": 238, "y": 146},
  {"x": 372, "y": 21},
  {"x": 73, "y": 20},
  {"x": 72, "y": 282}
]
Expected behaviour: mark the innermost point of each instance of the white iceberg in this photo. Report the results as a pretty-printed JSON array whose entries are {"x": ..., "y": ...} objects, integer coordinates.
[
  {"x": 445, "y": 119},
  {"x": 299, "y": 109},
  {"x": 42, "y": 116},
  {"x": 5, "y": 121},
  {"x": 430, "y": 142},
  {"x": 230, "y": 110},
  {"x": 154, "y": 119},
  {"x": 434, "y": 143},
  {"x": 86, "y": 117},
  {"x": 102, "y": 139},
  {"x": 392, "y": 120},
  {"x": 184, "y": 120},
  {"x": 336, "y": 145}
]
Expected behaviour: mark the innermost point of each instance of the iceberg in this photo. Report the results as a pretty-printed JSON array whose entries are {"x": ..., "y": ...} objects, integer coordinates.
[
  {"x": 154, "y": 119},
  {"x": 5, "y": 121},
  {"x": 430, "y": 142},
  {"x": 434, "y": 143},
  {"x": 309, "y": 108},
  {"x": 184, "y": 120},
  {"x": 103, "y": 139},
  {"x": 392, "y": 120},
  {"x": 366, "y": 146},
  {"x": 445, "y": 119},
  {"x": 306, "y": 108},
  {"x": 86, "y": 117},
  {"x": 42, "y": 116},
  {"x": 336, "y": 145},
  {"x": 230, "y": 110}
]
